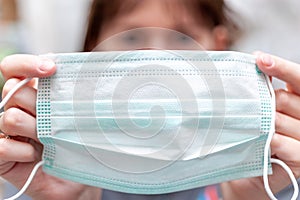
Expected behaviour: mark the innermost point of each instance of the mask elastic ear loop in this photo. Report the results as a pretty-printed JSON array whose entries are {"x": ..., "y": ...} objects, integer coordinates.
[
  {"x": 36, "y": 167},
  {"x": 273, "y": 160}
]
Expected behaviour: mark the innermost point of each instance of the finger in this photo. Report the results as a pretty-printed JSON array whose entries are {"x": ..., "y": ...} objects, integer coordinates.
[
  {"x": 280, "y": 68},
  {"x": 15, "y": 122},
  {"x": 287, "y": 103},
  {"x": 23, "y": 98},
  {"x": 287, "y": 125},
  {"x": 12, "y": 150},
  {"x": 19, "y": 174},
  {"x": 284, "y": 148},
  {"x": 20, "y": 66}
]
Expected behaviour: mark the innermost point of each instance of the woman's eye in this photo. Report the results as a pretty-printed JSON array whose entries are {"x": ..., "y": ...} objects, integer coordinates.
[
  {"x": 183, "y": 38},
  {"x": 132, "y": 38}
]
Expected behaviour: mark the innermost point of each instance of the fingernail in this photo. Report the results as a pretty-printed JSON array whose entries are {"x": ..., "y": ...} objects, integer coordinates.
[
  {"x": 46, "y": 65},
  {"x": 267, "y": 60}
]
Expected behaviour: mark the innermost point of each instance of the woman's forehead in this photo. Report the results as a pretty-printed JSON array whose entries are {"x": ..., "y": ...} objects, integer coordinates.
[{"x": 162, "y": 13}]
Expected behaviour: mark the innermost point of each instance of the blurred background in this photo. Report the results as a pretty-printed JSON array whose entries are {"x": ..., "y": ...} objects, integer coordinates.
[{"x": 39, "y": 27}]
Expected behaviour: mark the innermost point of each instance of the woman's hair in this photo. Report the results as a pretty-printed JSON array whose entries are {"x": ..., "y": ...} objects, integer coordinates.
[{"x": 211, "y": 12}]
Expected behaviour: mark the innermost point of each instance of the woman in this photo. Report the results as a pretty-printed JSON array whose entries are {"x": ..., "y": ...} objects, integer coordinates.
[{"x": 203, "y": 20}]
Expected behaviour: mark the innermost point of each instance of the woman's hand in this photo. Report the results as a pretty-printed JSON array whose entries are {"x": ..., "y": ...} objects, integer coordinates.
[
  {"x": 285, "y": 144},
  {"x": 19, "y": 154}
]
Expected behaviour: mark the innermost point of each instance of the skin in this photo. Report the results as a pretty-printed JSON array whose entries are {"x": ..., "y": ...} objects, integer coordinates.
[{"x": 20, "y": 154}]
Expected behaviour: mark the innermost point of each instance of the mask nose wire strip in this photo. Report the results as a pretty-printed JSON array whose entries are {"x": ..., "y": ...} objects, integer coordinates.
[
  {"x": 273, "y": 160},
  {"x": 36, "y": 167}
]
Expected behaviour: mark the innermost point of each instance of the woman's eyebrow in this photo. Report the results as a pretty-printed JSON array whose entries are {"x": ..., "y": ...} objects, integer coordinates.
[{"x": 128, "y": 26}]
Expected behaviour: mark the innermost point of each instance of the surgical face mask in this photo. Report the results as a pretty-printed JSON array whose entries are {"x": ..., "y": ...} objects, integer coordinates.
[
  {"x": 154, "y": 122},
  {"x": 151, "y": 122}
]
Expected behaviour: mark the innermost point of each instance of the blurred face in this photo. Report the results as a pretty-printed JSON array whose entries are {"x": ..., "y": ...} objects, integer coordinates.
[{"x": 173, "y": 26}]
